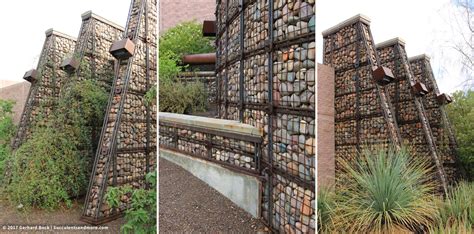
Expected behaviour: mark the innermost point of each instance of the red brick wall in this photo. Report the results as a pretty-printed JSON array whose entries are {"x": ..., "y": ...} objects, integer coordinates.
[
  {"x": 172, "y": 12},
  {"x": 326, "y": 142}
]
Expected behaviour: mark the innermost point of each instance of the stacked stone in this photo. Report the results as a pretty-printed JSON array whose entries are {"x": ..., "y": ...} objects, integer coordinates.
[
  {"x": 362, "y": 107},
  {"x": 293, "y": 18},
  {"x": 294, "y": 206},
  {"x": 207, "y": 78},
  {"x": 127, "y": 150},
  {"x": 288, "y": 130},
  {"x": 441, "y": 128},
  {"x": 409, "y": 111},
  {"x": 226, "y": 150},
  {"x": 256, "y": 25},
  {"x": 92, "y": 49},
  {"x": 45, "y": 90}
]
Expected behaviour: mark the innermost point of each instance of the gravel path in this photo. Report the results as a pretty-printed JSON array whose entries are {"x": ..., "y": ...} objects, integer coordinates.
[
  {"x": 10, "y": 216},
  {"x": 187, "y": 204}
]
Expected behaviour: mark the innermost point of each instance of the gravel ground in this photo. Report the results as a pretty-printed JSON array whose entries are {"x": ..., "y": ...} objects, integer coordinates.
[
  {"x": 12, "y": 218},
  {"x": 187, "y": 204}
]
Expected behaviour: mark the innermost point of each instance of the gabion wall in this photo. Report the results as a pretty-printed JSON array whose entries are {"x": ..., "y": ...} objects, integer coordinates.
[
  {"x": 45, "y": 90},
  {"x": 408, "y": 106},
  {"x": 127, "y": 146},
  {"x": 92, "y": 49},
  {"x": 266, "y": 78},
  {"x": 440, "y": 125},
  {"x": 363, "y": 111}
]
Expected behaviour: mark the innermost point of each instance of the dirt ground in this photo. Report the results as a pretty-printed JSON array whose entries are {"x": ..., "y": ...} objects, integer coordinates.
[
  {"x": 187, "y": 204},
  {"x": 14, "y": 221}
]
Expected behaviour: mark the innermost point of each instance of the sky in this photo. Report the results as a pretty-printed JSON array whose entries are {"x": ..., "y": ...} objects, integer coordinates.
[
  {"x": 425, "y": 25},
  {"x": 24, "y": 23}
]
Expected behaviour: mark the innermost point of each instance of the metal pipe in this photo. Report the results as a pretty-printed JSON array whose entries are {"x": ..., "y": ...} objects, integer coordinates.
[{"x": 209, "y": 58}]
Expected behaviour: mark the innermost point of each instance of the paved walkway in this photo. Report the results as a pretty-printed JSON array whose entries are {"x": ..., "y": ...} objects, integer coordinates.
[{"x": 187, "y": 204}]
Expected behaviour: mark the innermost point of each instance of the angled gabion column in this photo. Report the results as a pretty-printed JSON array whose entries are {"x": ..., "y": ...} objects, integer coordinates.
[
  {"x": 91, "y": 58},
  {"x": 364, "y": 114},
  {"x": 434, "y": 103},
  {"x": 266, "y": 78},
  {"x": 406, "y": 94},
  {"x": 127, "y": 145},
  {"x": 46, "y": 82}
]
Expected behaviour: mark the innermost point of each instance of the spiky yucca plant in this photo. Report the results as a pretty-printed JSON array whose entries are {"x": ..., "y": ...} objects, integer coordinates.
[
  {"x": 384, "y": 192},
  {"x": 326, "y": 204},
  {"x": 456, "y": 212}
]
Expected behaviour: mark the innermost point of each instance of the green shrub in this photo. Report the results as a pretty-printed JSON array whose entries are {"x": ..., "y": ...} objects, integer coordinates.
[
  {"x": 7, "y": 131},
  {"x": 53, "y": 164},
  {"x": 141, "y": 217},
  {"x": 177, "y": 97},
  {"x": 383, "y": 192},
  {"x": 185, "y": 38},
  {"x": 461, "y": 115}
]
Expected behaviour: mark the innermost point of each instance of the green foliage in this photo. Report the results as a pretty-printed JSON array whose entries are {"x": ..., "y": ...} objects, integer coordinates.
[
  {"x": 52, "y": 165},
  {"x": 461, "y": 115},
  {"x": 384, "y": 191},
  {"x": 141, "y": 217},
  {"x": 458, "y": 206},
  {"x": 185, "y": 38},
  {"x": 177, "y": 97},
  {"x": 150, "y": 96},
  {"x": 7, "y": 131},
  {"x": 326, "y": 204}
]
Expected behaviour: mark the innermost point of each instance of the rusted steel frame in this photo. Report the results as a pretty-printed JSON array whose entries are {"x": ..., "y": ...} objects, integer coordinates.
[
  {"x": 303, "y": 38},
  {"x": 304, "y": 183},
  {"x": 147, "y": 107},
  {"x": 241, "y": 67},
  {"x": 94, "y": 221},
  {"x": 358, "y": 91},
  {"x": 226, "y": 63},
  {"x": 196, "y": 74},
  {"x": 392, "y": 126},
  {"x": 229, "y": 166},
  {"x": 360, "y": 117},
  {"x": 112, "y": 94},
  {"x": 242, "y": 137},
  {"x": 270, "y": 112},
  {"x": 134, "y": 149},
  {"x": 211, "y": 145}
]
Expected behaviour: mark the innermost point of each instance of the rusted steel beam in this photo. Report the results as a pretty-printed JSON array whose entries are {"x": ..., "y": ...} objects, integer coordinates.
[{"x": 209, "y": 58}]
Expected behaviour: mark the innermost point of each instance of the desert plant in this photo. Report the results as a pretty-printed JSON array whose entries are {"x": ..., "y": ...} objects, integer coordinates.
[
  {"x": 457, "y": 209},
  {"x": 384, "y": 191},
  {"x": 326, "y": 204}
]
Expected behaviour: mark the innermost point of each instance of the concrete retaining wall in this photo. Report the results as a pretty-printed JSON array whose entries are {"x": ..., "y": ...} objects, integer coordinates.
[{"x": 243, "y": 190}]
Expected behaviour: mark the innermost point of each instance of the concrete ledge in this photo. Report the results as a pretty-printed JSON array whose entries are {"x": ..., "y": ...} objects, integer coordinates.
[
  {"x": 418, "y": 57},
  {"x": 354, "y": 19},
  {"x": 51, "y": 31},
  {"x": 221, "y": 125},
  {"x": 89, "y": 14},
  {"x": 391, "y": 42},
  {"x": 241, "y": 189}
]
